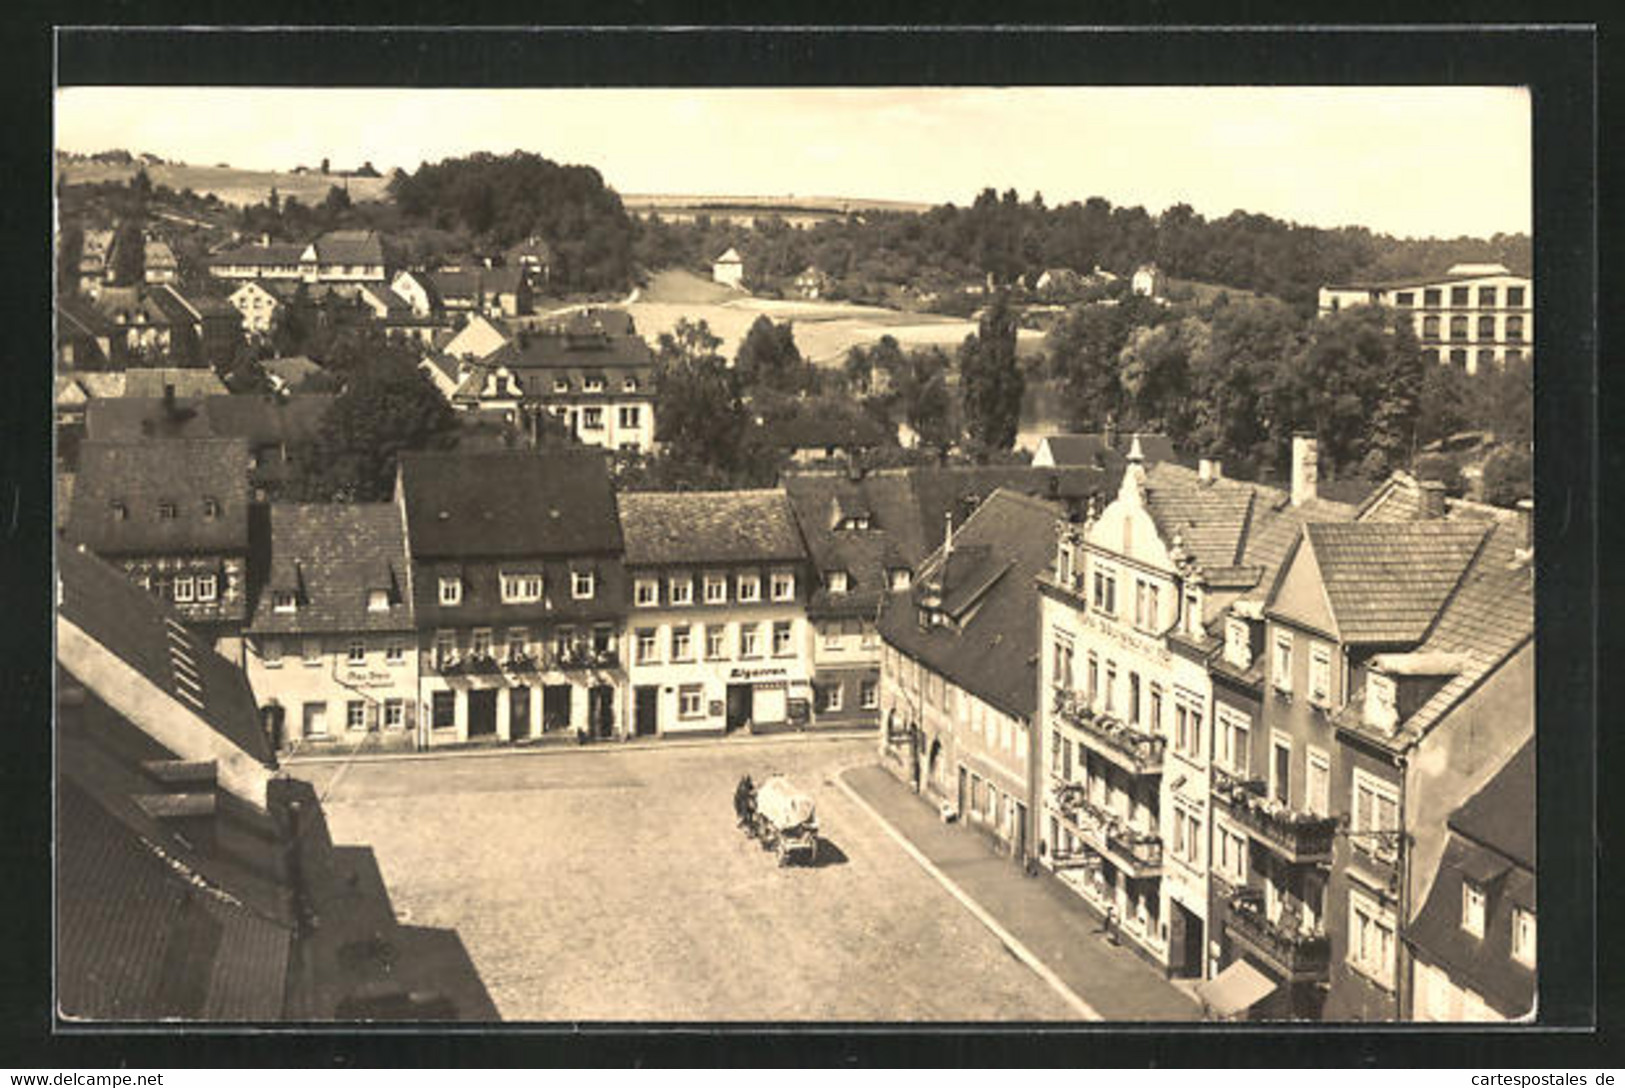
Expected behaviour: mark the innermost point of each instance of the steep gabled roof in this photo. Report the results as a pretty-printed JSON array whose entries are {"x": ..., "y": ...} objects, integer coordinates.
[
  {"x": 139, "y": 476},
  {"x": 511, "y": 503},
  {"x": 1501, "y": 815},
  {"x": 187, "y": 381},
  {"x": 1211, "y": 519},
  {"x": 350, "y": 247},
  {"x": 333, "y": 556},
  {"x": 1385, "y": 582},
  {"x": 709, "y": 527}
]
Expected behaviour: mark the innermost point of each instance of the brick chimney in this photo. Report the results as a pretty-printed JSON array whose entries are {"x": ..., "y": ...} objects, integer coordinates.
[
  {"x": 1432, "y": 499},
  {"x": 1526, "y": 524},
  {"x": 1305, "y": 468}
]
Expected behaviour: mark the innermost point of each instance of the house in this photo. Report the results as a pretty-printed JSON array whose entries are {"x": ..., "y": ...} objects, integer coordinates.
[
  {"x": 86, "y": 339},
  {"x": 262, "y": 260},
  {"x": 957, "y": 679},
  {"x": 1472, "y": 317},
  {"x": 478, "y": 339},
  {"x": 174, "y": 517},
  {"x": 171, "y": 381},
  {"x": 344, "y": 256},
  {"x": 1149, "y": 282},
  {"x": 1058, "y": 283},
  {"x": 717, "y": 628},
  {"x": 74, "y": 394},
  {"x": 331, "y": 646},
  {"x": 287, "y": 373},
  {"x": 203, "y": 330},
  {"x": 95, "y": 261},
  {"x": 822, "y": 431},
  {"x": 1099, "y": 449},
  {"x": 419, "y": 292},
  {"x": 140, "y": 326},
  {"x": 444, "y": 372},
  {"x": 519, "y": 594},
  {"x": 1473, "y": 941},
  {"x": 729, "y": 269},
  {"x": 158, "y": 261},
  {"x": 1130, "y": 617},
  {"x": 258, "y": 305},
  {"x": 382, "y": 303},
  {"x": 599, "y": 383},
  {"x": 813, "y": 283},
  {"x": 534, "y": 259}
]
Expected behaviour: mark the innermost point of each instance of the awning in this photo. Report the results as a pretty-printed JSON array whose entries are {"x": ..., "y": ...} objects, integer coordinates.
[{"x": 1237, "y": 988}]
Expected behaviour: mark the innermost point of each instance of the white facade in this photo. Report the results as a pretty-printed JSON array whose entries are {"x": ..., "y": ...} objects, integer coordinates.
[
  {"x": 331, "y": 689},
  {"x": 257, "y": 305},
  {"x": 729, "y": 269},
  {"x": 1472, "y": 317},
  {"x": 624, "y": 422}
]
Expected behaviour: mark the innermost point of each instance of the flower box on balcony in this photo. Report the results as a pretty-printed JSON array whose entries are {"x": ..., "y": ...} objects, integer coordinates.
[{"x": 1298, "y": 951}]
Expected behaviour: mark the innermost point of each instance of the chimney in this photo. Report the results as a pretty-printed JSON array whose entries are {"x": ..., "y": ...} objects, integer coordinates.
[
  {"x": 1209, "y": 469},
  {"x": 1526, "y": 524},
  {"x": 1305, "y": 468},
  {"x": 1432, "y": 499}
]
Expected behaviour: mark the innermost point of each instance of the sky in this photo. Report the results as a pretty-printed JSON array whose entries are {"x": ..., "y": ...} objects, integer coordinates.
[{"x": 1408, "y": 161}]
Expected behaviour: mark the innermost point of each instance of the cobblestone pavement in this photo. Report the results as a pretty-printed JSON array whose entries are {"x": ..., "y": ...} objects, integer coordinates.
[{"x": 602, "y": 885}]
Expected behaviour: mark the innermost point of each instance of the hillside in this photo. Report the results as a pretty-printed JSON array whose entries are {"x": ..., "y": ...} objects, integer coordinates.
[{"x": 239, "y": 188}]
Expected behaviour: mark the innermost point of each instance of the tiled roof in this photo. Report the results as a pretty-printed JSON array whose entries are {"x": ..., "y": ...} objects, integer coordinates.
[
  {"x": 143, "y": 475},
  {"x": 131, "y": 303},
  {"x": 709, "y": 527},
  {"x": 891, "y": 540},
  {"x": 1275, "y": 527},
  {"x": 350, "y": 247},
  {"x": 730, "y": 257},
  {"x": 589, "y": 352},
  {"x": 85, "y": 317},
  {"x": 156, "y": 253},
  {"x": 1009, "y": 541},
  {"x": 1501, "y": 815},
  {"x": 1398, "y": 498},
  {"x": 276, "y": 253},
  {"x": 140, "y": 630},
  {"x": 1416, "y": 281},
  {"x": 261, "y": 420},
  {"x": 1210, "y": 519},
  {"x": 1385, "y": 583},
  {"x": 553, "y": 502},
  {"x": 188, "y": 381},
  {"x": 292, "y": 369},
  {"x": 1096, "y": 450},
  {"x": 333, "y": 556},
  {"x": 385, "y": 297}
]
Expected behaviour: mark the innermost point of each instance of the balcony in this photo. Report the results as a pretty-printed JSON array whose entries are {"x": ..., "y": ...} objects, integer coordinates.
[
  {"x": 1297, "y": 836},
  {"x": 1298, "y": 952},
  {"x": 586, "y": 657},
  {"x": 1135, "y": 752},
  {"x": 1137, "y": 853}
]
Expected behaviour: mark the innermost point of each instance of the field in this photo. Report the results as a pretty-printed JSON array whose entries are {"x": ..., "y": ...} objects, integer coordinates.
[
  {"x": 823, "y": 330},
  {"x": 232, "y": 186}
]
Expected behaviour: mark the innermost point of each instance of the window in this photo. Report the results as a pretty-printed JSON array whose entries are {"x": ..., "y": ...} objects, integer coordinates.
[
  {"x": 1515, "y": 329},
  {"x": 1375, "y": 816},
  {"x": 1405, "y": 298},
  {"x": 750, "y": 640},
  {"x": 1145, "y": 605},
  {"x": 378, "y": 600},
  {"x": 395, "y": 651},
  {"x": 603, "y": 639},
  {"x": 451, "y": 591},
  {"x": 716, "y": 589},
  {"x": 480, "y": 642},
  {"x": 1458, "y": 327},
  {"x": 781, "y": 638},
  {"x": 166, "y": 511},
  {"x": 581, "y": 585},
  {"x": 1486, "y": 296},
  {"x": 1431, "y": 296},
  {"x": 1187, "y": 837},
  {"x": 716, "y": 641},
  {"x": 1320, "y": 674},
  {"x": 564, "y": 641},
  {"x": 593, "y": 385},
  {"x": 521, "y": 588},
  {"x": 829, "y": 698},
  {"x": 1514, "y": 297},
  {"x": 1111, "y": 686},
  {"x": 1092, "y": 678},
  {"x": 1105, "y": 598},
  {"x": 680, "y": 590},
  {"x": 443, "y": 710},
  {"x": 750, "y": 587},
  {"x": 1153, "y": 722},
  {"x": 1430, "y": 327},
  {"x": 315, "y": 719},
  {"x": 836, "y": 580},
  {"x": 1234, "y": 728},
  {"x": 312, "y": 651},
  {"x": 690, "y": 701},
  {"x": 1486, "y": 358},
  {"x": 445, "y": 648},
  {"x": 357, "y": 652},
  {"x": 1134, "y": 698},
  {"x": 1459, "y": 296},
  {"x": 868, "y": 695},
  {"x": 120, "y": 511},
  {"x": 211, "y": 509},
  {"x": 394, "y": 713},
  {"x": 1523, "y": 936},
  {"x": 784, "y": 585},
  {"x": 631, "y": 417},
  {"x": 1237, "y": 645},
  {"x": 682, "y": 644},
  {"x": 1193, "y": 611},
  {"x": 1317, "y": 784},
  {"x": 1514, "y": 356},
  {"x": 1472, "y": 908},
  {"x": 561, "y": 385},
  {"x": 1486, "y": 328},
  {"x": 355, "y": 714},
  {"x": 518, "y": 639},
  {"x": 1458, "y": 357},
  {"x": 1371, "y": 939},
  {"x": 271, "y": 652},
  {"x": 592, "y": 419},
  {"x": 646, "y": 592},
  {"x": 629, "y": 385},
  {"x": 1281, "y": 768},
  {"x": 899, "y": 578},
  {"x": 185, "y": 588},
  {"x": 647, "y": 645},
  {"x": 1230, "y": 849},
  {"x": 1283, "y": 661},
  {"x": 1187, "y": 728}
]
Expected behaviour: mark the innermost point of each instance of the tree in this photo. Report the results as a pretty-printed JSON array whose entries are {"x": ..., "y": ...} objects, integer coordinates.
[
  {"x": 1083, "y": 350},
  {"x": 129, "y": 253},
  {"x": 1509, "y": 476},
  {"x": 325, "y": 166},
  {"x": 990, "y": 380},
  {"x": 768, "y": 357},
  {"x": 1233, "y": 381},
  {"x": 337, "y": 200},
  {"x": 698, "y": 410},
  {"x": 388, "y": 407},
  {"x": 1155, "y": 374}
]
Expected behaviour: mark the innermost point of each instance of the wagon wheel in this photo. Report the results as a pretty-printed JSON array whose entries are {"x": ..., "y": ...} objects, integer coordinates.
[{"x": 784, "y": 853}]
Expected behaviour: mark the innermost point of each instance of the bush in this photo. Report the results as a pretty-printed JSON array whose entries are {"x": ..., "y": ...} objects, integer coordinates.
[
  {"x": 1509, "y": 475},
  {"x": 1436, "y": 466}
]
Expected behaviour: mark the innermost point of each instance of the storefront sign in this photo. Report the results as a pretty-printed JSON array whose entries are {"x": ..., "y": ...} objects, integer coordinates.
[
  {"x": 1146, "y": 645},
  {"x": 368, "y": 678},
  {"x": 741, "y": 672}
]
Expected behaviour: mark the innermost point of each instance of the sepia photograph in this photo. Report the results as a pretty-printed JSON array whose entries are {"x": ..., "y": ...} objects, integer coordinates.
[{"x": 794, "y": 554}]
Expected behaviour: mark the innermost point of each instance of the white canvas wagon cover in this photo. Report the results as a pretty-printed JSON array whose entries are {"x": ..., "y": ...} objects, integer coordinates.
[{"x": 783, "y": 804}]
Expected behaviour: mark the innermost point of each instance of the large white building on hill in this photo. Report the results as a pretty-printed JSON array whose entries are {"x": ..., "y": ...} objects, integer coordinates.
[{"x": 1472, "y": 316}]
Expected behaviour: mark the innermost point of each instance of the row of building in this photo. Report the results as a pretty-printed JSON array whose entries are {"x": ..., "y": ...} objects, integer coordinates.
[
  {"x": 1285, "y": 742},
  {"x": 1475, "y": 316}
]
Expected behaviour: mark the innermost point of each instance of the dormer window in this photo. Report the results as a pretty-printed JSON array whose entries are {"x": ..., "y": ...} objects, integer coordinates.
[
  {"x": 1472, "y": 908},
  {"x": 592, "y": 385},
  {"x": 783, "y": 585},
  {"x": 211, "y": 509},
  {"x": 646, "y": 592},
  {"x": 451, "y": 591},
  {"x": 750, "y": 587},
  {"x": 681, "y": 590},
  {"x": 561, "y": 385},
  {"x": 283, "y": 600},
  {"x": 120, "y": 511},
  {"x": 899, "y": 578},
  {"x": 521, "y": 588},
  {"x": 378, "y": 600},
  {"x": 630, "y": 385},
  {"x": 836, "y": 580},
  {"x": 1193, "y": 611},
  {"x": 581, "y": 585},
  {"x": 1523, "y": 936},
  {"x": 166, "y": 511},
  {"x": 1238, "y": 648}
]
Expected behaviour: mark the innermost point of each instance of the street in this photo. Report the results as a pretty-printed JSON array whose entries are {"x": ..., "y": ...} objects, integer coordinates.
[{"x": 614, "y": 885}]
